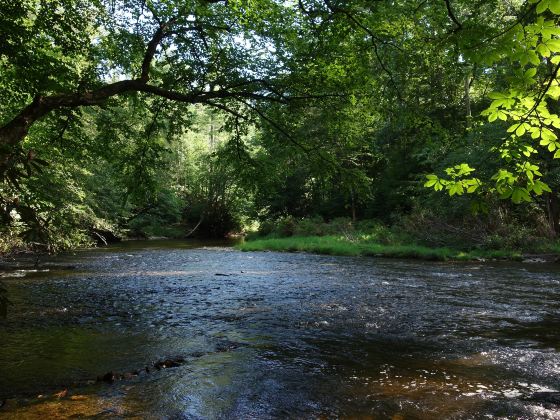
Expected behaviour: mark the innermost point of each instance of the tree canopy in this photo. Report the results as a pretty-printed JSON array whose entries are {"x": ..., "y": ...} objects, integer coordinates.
[{"x": 329, "y": 107}]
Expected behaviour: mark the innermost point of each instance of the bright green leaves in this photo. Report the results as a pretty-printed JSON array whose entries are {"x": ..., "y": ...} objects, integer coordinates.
[
  {"x": 501, "y": 103},
  {"x": 459, "y": 170},
  {"x": 457, "y": 184},
  {"x": 502, "y": 100},
  {"x": 525, "y": 106},
  {"x": 549, "y": 140},
  {"x": 434, "y": 182},
  {"x": 539, "y": 187},
  {"x": 543, "y": 5},
  {"x": 506, "y": 186},
  {"x": 548, "y": 47},
  {"x": 497, "y": 114},
  {"x": 520, "y": 184},
  {"x": 554, "y": 92},
  {"x": 529, "y": 74},
  {"x": 530, "y": 171}
]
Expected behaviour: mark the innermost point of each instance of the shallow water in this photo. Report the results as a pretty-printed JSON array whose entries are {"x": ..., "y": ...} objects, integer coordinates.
[{"x": 269, "y": 335}]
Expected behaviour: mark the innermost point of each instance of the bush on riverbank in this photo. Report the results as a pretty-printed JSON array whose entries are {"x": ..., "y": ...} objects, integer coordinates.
[
  {"x": 417, "y": 236},
  {"x": 362, "y": 245}
]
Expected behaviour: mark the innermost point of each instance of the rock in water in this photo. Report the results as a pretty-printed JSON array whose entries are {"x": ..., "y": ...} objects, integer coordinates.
[
  {"x": 169, "y": 363},
  {"x": 109, "y": 377},
  {"x": 548, "y": 397}
]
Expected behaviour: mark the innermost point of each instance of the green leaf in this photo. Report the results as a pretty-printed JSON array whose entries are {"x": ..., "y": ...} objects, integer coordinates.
[
  {"x": 542, "y": 6},
  {"x": 543, "y": 50},
  {"x": 553, "y": 45},
  {"x": 554, "y": 92},
  {"x": 554, "y": 6},
  {"x": 531, "y": 72},
  {"x": 548, "y": 135},
  {"x": 473, "y": 188},
  {"x": 520, "y": 194},
  {"x": 533, "y": 57}
]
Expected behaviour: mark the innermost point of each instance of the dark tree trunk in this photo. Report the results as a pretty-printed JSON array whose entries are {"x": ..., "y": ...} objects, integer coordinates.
[{"x": 553, "y": 212}]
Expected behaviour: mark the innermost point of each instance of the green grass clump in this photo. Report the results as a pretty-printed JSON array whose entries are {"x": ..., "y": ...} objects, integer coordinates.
[{"x": 354, "y": 246}]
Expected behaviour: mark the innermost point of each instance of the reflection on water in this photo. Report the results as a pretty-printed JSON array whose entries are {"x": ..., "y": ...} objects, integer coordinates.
[{"x": 269, "y": 335}]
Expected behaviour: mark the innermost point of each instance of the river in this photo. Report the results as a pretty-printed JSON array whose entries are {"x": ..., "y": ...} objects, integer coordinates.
[{"x": 274, "y": 335}]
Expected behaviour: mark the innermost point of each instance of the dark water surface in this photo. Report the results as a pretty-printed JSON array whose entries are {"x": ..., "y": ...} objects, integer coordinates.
[{"x": 279, "y": 335}]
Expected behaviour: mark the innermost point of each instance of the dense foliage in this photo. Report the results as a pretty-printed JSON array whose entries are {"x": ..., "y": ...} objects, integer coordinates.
[{"x": 172, "y": 118}]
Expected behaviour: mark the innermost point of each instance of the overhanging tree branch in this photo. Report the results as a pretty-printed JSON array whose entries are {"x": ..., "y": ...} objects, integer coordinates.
[
  {"x": 152, "y": 48},
  {"x": 15, "y": 130},
  {"x": 452, "y": 16}
]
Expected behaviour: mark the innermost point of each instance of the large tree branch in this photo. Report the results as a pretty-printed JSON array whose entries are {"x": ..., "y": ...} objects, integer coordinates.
[
  {"x": 152, "y": 48},
  {"x": 15, "y": 130},
  {"x": 452, "y": 16}
]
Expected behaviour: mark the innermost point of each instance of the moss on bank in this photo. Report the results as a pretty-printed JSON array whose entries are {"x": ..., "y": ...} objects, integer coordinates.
[{"x": 356, "y": 245}]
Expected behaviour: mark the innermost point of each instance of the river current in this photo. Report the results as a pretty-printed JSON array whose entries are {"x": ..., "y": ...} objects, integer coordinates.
[{"x": 275, "y": 335}]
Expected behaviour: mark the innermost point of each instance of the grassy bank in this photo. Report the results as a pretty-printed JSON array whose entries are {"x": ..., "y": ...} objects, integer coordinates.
[{"x": 356, "y": 245}]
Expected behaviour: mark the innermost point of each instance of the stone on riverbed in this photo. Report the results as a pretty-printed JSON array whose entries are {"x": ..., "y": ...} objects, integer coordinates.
[
  {"x": 546, "y": 397},
  {"x": 111, "y": 376},
  {"x": 169, "y": 363}
]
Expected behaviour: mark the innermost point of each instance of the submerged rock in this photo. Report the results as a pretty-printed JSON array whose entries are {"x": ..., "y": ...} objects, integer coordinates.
[
  {"x": 109, "y": 377},
  {"x": 547, "y": 397},
  {"x": 227, "y": 345}
]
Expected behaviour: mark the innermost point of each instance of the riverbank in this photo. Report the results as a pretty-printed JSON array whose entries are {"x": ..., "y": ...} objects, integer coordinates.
[{"x": 363, "y": 246}]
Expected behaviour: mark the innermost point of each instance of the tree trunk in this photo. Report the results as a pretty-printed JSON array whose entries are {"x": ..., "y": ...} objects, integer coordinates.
[
  {"x": 553, "y": 210},
  {"x": 467, "y": 88},
  {"x": 353, "y": 204}
]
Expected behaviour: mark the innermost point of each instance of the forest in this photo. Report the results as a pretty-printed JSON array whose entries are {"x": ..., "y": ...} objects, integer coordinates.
[{"x": 413, "y": 122}]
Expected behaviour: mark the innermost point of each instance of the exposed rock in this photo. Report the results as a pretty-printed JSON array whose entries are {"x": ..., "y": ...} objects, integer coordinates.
[
  {"x": 61, "y": 394},
  {"x": 111, "y": 377},
  {"x": 169, "y": 363}
]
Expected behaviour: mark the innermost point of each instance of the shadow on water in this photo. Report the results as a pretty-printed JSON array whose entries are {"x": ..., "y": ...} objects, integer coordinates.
[
  {"x": 267, "y": 335},
  {"x": 544, "y": 333}
]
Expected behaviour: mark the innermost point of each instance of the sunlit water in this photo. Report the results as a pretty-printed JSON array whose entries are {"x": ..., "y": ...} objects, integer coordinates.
[{"x": 268, "y": 335}]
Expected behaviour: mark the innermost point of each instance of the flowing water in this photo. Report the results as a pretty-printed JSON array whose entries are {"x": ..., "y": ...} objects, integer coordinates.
[{"x": 269, "y": 335}]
